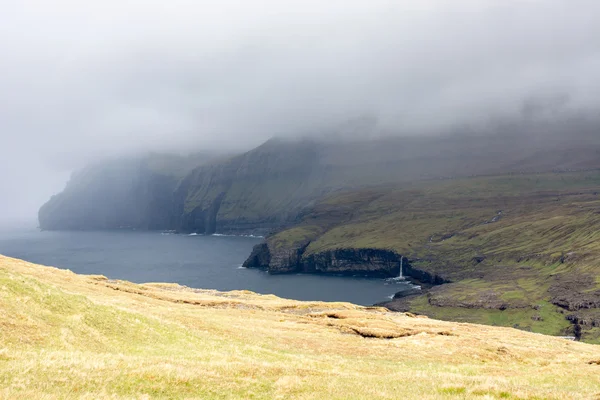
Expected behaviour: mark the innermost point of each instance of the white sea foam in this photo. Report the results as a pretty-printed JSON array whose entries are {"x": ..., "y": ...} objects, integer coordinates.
[
  {"x": 247, "y": 236},
  {"x": 396, "y": 279},
  {"x": 193, "y": 234}
]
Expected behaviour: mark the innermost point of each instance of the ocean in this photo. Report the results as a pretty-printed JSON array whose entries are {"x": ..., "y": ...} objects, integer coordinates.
[{"x": 207, "y": 262}]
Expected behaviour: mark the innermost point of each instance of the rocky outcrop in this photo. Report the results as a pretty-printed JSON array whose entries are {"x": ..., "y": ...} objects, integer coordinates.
[
  {"x": 287, "y": 259},
  {"x": 292, "y": 259},
  {"x": 370, "y": 262},
  {"x": 588, "y": 320},
  {"x": 575, "y": 291},
  {"x": 277, "y": 260},
  {"x": 260, "y": 258},
  {"x": 578, "y": 301}
]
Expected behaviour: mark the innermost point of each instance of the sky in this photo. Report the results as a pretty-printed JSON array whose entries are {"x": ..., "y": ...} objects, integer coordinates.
[{"x": 82, "y": 80}]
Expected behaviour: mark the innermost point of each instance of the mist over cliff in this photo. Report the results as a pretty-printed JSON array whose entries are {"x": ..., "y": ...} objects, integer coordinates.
[
  {"x": 80, "y": 82},
  {"x": 271, "y": 185}
]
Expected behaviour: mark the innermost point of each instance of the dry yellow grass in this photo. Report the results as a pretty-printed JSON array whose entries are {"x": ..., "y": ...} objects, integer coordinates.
[{"x": 64, "y": 335}]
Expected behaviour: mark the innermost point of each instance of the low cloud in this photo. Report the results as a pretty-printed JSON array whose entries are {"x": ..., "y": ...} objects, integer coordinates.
[{"x": 83, "y": 80}]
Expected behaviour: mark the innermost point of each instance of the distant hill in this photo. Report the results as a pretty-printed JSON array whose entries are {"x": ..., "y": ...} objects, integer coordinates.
[
  {"x": 520, "y": 250},
  {"x": 120, "y": 193},
  {"x": 498, "y": 227},
  {"x": 266, "y": 188}
]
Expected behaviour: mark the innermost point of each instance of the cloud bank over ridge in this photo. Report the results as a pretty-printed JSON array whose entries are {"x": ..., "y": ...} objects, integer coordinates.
[{"x": 82, "y": 80}]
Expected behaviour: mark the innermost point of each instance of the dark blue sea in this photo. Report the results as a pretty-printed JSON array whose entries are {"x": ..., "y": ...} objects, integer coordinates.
[{"x": 208, "y": 262}]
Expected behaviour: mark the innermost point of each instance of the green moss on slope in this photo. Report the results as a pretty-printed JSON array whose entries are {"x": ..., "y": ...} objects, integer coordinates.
[{"x": 513, "y": 239}]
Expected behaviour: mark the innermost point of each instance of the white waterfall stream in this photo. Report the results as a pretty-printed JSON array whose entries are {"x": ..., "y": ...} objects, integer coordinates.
[{"x": 401, "y": 265}]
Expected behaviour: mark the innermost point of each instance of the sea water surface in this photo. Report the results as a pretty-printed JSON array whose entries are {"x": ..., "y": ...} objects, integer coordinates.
[{"x": 207, "y": 262}]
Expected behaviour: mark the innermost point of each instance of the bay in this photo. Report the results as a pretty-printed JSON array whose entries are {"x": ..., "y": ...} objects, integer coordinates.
[{"x": 206, "y": 262}]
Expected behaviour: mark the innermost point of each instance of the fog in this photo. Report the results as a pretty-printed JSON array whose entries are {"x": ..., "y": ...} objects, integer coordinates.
[{"x": 84, "y": 80}]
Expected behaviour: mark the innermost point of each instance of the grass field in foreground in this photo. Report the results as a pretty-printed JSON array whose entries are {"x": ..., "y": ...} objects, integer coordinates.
[{"x": 64, "y": 335}]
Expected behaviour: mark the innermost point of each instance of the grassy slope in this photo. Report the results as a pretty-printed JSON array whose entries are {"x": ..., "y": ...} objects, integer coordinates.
[
  {"x": 70, "y": 336},
  {"x": 548, "y": 231}
]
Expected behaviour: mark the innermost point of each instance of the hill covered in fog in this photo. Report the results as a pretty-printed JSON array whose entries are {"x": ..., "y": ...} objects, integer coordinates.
[
  {"x": 267, "y": 187},
  {"x": 499, "y": 228}
]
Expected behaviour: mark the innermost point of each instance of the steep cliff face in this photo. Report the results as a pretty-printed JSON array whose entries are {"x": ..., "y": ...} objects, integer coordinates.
[
  {"x": 256, "y": 191},
  {"x": 260, "y": 258},
  {"x": 119, "y": 194},
  {"x": 276, "y": 260},
  {"x": 253, "y": 192},
  {"x": 270, "y": 186},
  {"x": 370, "y": 262}
]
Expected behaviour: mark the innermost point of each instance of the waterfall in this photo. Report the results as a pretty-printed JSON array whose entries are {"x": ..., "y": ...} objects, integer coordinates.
[{"x": 401, "y": 264}]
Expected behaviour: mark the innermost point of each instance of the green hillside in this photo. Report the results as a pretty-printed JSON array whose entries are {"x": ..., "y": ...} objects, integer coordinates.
[
  {"x": 520, "y": 250},
  {"x": 507, "y": 220}
]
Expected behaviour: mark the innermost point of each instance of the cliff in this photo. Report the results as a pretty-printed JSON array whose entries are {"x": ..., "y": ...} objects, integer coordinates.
[
  {"x": 514, "y": 250},
  {"x": 271, "y": 186},
  {"x": 252, "y": 192},
  {"x": 115, "y": 194},
  {"x": 367, "y": 262},
  {"x": 506, "y": 223}
]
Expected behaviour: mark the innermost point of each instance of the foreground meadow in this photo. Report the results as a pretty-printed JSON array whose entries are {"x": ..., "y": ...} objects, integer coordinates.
[{"x": 64, "y": 335}]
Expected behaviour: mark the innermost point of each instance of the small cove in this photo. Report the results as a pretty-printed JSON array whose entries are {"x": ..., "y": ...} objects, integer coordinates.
[{"x": 207, "y": 262}]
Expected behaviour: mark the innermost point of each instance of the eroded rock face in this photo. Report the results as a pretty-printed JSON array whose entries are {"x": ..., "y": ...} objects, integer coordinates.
[
  {"x": 575, "y": 292},
  {"x": 260, "y": 257},
  {"x": 292, "y": 259},
  {"x": 287, "y": 259},
  {"x": 372, "y": 262},
  {"x": 351, "y": 261},
  {"x": 276, "y": 260},
  {"x": 578, "y": 301},
  {"x": 589, "y": 320}
]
